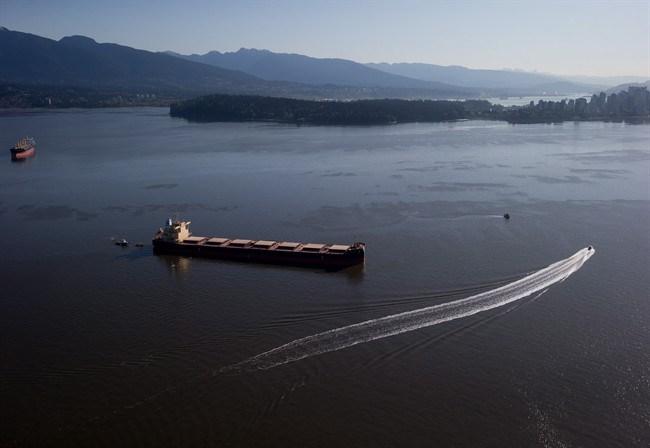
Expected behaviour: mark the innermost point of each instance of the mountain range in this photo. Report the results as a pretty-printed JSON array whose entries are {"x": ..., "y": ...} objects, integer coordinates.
[
  {"x": 299, "y": 68},
  {"x": 33, "y": 69},
  {"x": 309, "y": 70},
  {"x": 78, "y": 61},
  {"x": 507, "y": 80}
]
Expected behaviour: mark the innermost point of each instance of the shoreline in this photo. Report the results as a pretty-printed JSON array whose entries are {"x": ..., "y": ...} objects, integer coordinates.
[{"x": 638, "y": 119}]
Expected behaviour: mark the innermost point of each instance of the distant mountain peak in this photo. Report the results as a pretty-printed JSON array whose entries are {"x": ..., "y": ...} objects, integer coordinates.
[
  {"x": 243, "y": 50},
  {"x": 79, "y": 41}
]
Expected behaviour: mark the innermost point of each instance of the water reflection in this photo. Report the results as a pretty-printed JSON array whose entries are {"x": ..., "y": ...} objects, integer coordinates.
[
  {"x": 137, "y": 252},
  {"x": 355, "y": 273},
  {"x": 177, "y": 266},
  {"x": 180, "y": 266},
  {"x": 18, "y": 162}
]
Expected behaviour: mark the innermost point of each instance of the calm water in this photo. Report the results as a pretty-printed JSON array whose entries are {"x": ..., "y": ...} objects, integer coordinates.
[{"x": 107, "y": 346}]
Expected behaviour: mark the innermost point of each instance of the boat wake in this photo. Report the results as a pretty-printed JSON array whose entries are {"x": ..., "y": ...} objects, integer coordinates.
[{"x": 343, "y": 337}]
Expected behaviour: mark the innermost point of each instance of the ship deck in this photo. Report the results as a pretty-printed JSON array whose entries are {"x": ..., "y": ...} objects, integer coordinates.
[
  {"x": 329, "y": 256},
  {"x": 266, "y": 245}
]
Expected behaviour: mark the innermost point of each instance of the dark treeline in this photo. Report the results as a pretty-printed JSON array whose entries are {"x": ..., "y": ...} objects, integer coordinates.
[
  {"x": 286, "y": 110},
  {"x": 631, "y": 104}
]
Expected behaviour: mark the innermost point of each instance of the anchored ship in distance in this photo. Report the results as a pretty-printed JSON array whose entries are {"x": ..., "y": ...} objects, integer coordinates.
[
  {"x": 24, "y": 148},
  {"x": 175, "y": 238}
]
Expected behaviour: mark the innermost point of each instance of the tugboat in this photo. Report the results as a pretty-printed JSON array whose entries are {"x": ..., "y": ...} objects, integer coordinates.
[
  {"x": 24, "y": 148},
  {"x": 175, "y": 238}
]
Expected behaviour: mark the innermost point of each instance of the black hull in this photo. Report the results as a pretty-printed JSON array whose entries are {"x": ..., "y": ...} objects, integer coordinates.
[
  {"x": 329, "y": 261},
  {"x": 22, "y": 154}
]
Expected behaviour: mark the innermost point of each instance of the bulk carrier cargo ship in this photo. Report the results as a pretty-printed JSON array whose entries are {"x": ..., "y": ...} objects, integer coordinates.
[
  {"x": 24, "y": 148},
  {"x": 175, "y": 238}
]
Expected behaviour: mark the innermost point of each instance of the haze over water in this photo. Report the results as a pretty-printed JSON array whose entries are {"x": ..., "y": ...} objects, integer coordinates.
[{"x": 109, "y": 346}]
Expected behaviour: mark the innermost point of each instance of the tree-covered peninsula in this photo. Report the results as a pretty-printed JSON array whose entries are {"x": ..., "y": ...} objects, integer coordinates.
[
  {"x": 287, "y": 110},
  {"x": 633, "y": 104}
]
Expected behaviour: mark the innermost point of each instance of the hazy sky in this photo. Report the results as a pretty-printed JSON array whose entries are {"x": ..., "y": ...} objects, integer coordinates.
[{"x": 564, "y": 37}]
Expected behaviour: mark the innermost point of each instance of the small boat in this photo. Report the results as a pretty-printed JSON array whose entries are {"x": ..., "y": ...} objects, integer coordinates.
[
  {"x": 175, "y": 239},
  {"x": 24, "y": 148},
  {"x": 506, "y": 216},
  {"x": 122, "y": 242}
]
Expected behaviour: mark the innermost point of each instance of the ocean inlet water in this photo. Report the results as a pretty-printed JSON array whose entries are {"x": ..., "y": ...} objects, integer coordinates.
[{"x": 501, "y": 332}]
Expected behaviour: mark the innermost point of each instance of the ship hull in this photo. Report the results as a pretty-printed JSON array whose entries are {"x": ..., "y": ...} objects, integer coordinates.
[
  {"x": 329, "y": 261},
  {"x": 21, "y": 155}
]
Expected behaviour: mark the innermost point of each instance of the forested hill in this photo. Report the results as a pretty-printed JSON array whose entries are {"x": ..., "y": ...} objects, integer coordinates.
[{"x": 80, "y": 62}]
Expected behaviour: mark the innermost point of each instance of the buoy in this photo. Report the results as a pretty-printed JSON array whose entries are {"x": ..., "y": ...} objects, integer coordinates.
[{"x": 507, "y": 216}]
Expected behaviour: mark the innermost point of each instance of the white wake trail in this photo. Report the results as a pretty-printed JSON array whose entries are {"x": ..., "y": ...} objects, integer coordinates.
[{"x": 383, "y": 327}]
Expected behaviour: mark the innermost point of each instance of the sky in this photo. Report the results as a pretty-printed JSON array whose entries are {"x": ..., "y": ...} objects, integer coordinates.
[{"x": 572, "y": 37}]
